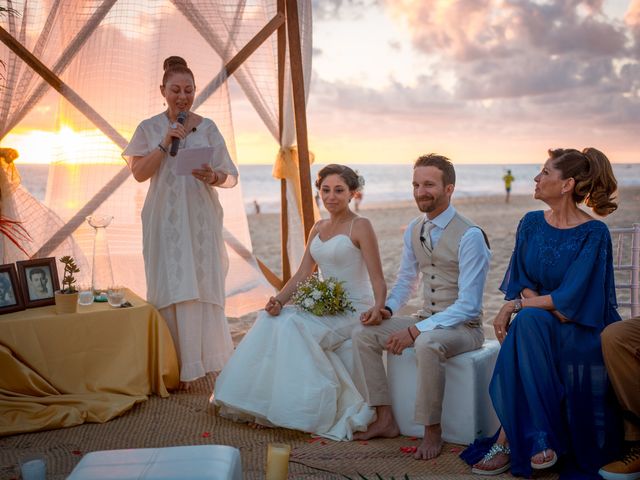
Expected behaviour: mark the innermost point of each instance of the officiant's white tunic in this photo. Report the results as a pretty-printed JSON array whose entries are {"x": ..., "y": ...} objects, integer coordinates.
[{"x": 183, "y": 248}]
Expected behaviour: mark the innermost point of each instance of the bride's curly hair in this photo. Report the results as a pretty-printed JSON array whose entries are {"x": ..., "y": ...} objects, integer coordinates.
[
  {"x": 350, "y": 177},
  {"x": 595, "y": 183}
]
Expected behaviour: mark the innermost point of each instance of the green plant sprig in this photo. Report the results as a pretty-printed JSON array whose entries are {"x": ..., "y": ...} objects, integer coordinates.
[{"x": 68, "y": 280}]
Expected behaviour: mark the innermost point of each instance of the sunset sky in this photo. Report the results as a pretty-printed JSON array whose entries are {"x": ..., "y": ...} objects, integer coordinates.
[{"x": 481, "y": 81}]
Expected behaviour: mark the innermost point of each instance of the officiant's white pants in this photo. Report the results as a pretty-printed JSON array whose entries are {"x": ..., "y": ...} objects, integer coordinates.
[
  {"x": 432, "y": 350},
  {"x": 201, "y": 336}
]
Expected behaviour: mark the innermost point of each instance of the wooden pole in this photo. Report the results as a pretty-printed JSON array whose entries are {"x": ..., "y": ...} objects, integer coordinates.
[
  {"x": 299, "y": 104},
  {"x": 284, "y": 212}
]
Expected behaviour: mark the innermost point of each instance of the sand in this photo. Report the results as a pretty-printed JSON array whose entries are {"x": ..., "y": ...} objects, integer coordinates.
[{"x": 499, "y": 221}]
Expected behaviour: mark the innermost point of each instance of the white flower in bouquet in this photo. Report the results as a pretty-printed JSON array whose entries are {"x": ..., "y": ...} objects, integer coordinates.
[{"x": 322, "y": 297}]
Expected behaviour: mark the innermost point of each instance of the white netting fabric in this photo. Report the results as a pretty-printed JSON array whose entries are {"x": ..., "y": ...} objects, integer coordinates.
[{"x": 109, "y": 55}]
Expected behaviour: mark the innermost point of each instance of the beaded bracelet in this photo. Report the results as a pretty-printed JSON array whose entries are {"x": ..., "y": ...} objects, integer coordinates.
[{"x": 161, "y": 147}]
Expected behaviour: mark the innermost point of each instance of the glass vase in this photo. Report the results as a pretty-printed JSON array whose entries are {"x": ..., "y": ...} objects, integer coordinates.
[{"x": 101, "y": 272}]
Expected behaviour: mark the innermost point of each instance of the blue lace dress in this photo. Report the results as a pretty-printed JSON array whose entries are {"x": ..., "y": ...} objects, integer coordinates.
[{"x": 550, "y": 387}]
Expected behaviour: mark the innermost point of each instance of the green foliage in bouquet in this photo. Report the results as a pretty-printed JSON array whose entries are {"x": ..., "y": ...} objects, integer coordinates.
[
  {"x": 68, "y": 280},
  {"x": 322, "y": 297}
]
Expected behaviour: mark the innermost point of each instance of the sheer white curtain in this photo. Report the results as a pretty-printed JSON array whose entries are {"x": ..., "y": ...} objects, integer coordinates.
[{"x": 110, "y": 54}]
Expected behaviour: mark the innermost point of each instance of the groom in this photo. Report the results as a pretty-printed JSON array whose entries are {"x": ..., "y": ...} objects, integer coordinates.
[{"x": 452, "y": 255}]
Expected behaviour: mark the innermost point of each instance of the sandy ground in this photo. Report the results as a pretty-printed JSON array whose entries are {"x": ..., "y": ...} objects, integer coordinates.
[{"x": 499, "y": 221}]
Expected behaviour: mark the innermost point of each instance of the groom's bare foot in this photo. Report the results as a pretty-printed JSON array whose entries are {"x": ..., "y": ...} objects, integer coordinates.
[
  {"x": 431, "y": 445},
  {"x": 384, "y": 426}
]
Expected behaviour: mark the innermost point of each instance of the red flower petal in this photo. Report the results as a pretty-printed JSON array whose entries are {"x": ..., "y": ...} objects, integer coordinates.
[
  {"x": 206, "y": 434},
  {"x": 76, "y": 452}
]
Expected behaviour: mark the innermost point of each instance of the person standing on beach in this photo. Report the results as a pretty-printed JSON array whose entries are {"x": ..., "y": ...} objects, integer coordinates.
[
  {"x": 184, "y": 254},
  {"x": 451, "y": 254},
  {"x": 508, "y": 178}
]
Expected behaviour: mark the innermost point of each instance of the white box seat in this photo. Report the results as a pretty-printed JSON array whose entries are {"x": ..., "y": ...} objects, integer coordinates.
[
  {"x": 467, "y": 412},
  {"x": 197, "y": 462}
]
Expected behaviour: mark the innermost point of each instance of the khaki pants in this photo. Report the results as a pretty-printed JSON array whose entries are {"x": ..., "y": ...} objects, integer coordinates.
[
  {"x": 432, "y": 350},
  {"x": 621, "y": 350}
]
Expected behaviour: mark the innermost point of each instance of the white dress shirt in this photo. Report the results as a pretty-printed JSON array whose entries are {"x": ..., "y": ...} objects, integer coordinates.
[{"x": 473, "y": 259}]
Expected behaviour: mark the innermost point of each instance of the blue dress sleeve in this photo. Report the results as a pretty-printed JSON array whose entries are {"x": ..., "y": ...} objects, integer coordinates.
[
  {"x": 516, "y": 278},
  {"x": 587, "y": 293}
]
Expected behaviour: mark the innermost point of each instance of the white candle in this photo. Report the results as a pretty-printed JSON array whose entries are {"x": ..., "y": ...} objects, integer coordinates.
[
  {"x": 34, "y": 469},
  {"x": 277, "y": 461}
]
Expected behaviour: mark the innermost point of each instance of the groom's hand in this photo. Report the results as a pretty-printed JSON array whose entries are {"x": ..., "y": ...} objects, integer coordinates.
[{"x": 398, "y": 341}]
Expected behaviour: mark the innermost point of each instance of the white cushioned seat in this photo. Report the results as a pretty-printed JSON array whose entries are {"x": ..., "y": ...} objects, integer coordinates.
[
  {"x": 197, "y": 462},
  {"x": 467, "y": 412}
]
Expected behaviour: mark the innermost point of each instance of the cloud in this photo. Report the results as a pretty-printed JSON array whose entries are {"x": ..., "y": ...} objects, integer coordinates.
[
  {"x": 471, "y": 30},
  {"x": 632, "y": 20}
]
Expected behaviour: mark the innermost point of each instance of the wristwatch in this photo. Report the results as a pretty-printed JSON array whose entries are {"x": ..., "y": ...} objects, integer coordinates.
[{"x": 517, "y": 305}]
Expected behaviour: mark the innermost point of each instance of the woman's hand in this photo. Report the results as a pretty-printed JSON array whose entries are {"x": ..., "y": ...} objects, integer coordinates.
[
  {"x": 273, "y": 307},
  {"x": 501, "y": 322},
  {"x": 373, "y": 316},
  {"x": 205, "y": 174},
  {"x": 176, "y": 130}
]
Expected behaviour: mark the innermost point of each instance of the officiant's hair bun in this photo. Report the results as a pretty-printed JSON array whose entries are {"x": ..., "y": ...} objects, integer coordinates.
[
  {"x": 173, "y": 65},
  {"x": 349, "y": 176}
]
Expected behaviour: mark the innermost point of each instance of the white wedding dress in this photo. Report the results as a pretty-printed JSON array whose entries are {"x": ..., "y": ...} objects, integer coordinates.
[{"x": 286, "y": 373}]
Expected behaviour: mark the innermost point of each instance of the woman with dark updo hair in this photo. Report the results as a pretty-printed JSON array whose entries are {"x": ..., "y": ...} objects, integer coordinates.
[
  {"x": 286, "y": 371},
  {"x": 184, "y": 254},
  {"x": 550, "y": 388}
]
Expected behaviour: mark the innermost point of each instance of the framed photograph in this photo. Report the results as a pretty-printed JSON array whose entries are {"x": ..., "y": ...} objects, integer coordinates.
[
  {"x": 10, "y": 293},
  {"x": 39, "y": 281}
]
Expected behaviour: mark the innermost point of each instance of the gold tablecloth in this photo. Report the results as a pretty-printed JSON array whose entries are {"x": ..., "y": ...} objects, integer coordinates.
[{"x": 64, "y": 370}]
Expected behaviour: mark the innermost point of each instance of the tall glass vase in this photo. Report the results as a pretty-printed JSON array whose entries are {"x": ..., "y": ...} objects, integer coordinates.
[{"x": 101, "y": 272}]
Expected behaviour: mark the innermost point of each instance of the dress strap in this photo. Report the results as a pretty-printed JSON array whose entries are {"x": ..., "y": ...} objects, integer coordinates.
[{"x": 351, "y": 226}]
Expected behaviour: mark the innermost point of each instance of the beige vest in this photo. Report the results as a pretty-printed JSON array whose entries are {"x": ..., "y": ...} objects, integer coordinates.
[{"x": 439, "y": 267}]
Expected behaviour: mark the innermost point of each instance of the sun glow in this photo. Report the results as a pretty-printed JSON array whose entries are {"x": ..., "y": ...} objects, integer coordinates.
[{"x": 65, "y": 145}]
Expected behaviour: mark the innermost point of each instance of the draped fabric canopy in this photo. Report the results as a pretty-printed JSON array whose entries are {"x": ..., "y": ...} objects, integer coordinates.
[{"x": 109, "y": 54}]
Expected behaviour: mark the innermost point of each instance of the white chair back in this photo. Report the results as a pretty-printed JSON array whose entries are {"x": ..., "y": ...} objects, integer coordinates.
[{"x": 626, "y": 259}]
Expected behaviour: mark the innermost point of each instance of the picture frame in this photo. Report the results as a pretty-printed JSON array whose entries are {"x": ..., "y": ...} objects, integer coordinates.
[
  {"x": 11, "y": 299},
  {"x": 39, "y": 281}
]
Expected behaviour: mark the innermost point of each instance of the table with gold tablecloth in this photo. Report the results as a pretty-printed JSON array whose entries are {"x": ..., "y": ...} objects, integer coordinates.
[{"x": 63, "y": 370}]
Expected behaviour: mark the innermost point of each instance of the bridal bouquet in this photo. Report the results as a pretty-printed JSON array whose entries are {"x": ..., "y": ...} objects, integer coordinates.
[{"x": 322, "y": 297}]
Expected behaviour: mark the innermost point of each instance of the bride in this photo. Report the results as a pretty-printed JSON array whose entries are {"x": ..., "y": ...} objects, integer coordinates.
[{"x": 285, "y": 372}]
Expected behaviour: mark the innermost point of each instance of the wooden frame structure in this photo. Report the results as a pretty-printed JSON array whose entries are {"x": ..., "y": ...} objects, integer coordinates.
[{"x": 285, "y": 24}]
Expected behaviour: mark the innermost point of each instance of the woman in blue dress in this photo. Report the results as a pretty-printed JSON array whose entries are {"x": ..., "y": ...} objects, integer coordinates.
[{"x": 549, "y": 387}]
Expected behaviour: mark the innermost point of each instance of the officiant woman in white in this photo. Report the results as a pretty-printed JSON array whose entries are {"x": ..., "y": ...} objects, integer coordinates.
[
  {"x": 184, "y": 253},
  {"x": 286, "y": 372}
]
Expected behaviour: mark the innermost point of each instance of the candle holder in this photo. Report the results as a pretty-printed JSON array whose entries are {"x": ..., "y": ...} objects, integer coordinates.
[
  {"x": 33, "y": 467},
  {"x": 101, "y": 272},
  {"x": 277, "y": 461}
]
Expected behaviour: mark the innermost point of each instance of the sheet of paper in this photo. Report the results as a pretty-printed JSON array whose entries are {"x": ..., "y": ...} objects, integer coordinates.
[{"x": 189, "y": 159}]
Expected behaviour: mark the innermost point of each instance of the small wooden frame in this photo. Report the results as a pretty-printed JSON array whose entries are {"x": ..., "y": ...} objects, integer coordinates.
[
  {"x": 11, "y": 299},
  {"x": 39, "y": 280}
]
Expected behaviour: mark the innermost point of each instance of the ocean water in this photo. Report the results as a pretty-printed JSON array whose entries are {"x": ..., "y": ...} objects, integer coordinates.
[{"x": 383, "y": 183}]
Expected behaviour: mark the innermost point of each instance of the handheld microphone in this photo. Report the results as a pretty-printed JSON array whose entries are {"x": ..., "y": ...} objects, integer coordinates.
[{"x": 175, "y": 143}]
